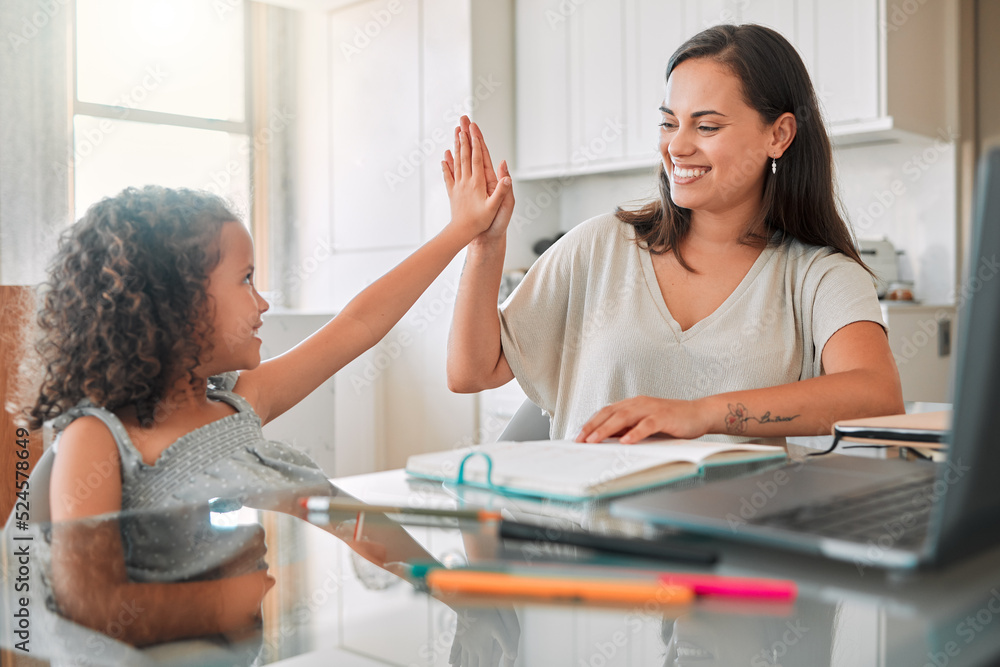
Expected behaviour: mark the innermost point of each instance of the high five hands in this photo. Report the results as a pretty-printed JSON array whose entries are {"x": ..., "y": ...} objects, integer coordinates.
[{"x": 476, "y": 192}]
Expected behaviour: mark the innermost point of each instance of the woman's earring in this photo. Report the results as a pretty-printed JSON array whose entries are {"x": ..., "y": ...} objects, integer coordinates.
[{"x": 774, "y": 165}]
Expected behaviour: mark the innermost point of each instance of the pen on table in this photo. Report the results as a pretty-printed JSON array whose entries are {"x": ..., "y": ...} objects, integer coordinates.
[
  {"x": 616, "y": 544},
  {"x": 328, "y": 504},
  {"x": 708, "y": 585},
  {"x": 472, "y": 582}
]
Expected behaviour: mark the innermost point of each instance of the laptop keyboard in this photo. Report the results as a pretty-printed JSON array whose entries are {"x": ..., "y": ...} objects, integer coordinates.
[{"x": 897, "y": 511}]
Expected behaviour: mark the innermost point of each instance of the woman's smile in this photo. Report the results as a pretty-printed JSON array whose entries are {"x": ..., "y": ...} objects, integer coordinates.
[{"x": 686, "y": 175}]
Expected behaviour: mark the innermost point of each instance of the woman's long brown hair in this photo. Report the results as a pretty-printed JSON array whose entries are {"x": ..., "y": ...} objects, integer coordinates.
[{"x": 799, "y": 200}]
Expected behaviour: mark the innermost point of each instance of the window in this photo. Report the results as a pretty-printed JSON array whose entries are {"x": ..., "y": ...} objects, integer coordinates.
[{"x": 161, "y": 95}]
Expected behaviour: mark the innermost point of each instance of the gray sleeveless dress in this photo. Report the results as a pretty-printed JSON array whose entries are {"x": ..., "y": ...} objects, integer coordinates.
[{"x": 167, "y": 527}]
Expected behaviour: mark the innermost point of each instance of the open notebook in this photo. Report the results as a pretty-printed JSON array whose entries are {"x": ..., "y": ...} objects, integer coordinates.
[{"x": 567, "y": 470}]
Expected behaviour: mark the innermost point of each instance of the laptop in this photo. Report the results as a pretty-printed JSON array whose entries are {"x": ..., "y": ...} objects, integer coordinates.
[{"x": 881, "y": 513}]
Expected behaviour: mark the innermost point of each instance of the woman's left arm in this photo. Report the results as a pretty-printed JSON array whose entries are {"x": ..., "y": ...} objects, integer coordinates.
[{"x": 860, "y": 380}]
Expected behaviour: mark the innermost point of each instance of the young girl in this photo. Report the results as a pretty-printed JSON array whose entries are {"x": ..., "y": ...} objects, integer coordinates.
[{"x": 150, "y": 311}]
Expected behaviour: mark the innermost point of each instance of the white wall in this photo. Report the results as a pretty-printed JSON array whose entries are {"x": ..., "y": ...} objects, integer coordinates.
[{"x": 906, "y": 192}]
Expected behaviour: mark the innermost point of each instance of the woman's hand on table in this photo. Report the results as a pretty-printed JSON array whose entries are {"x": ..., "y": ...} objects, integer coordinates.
[{"x": 636, "y": 418}]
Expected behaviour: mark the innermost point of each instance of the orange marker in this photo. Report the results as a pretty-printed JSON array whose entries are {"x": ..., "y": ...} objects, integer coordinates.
[{"x": 464, "y": 582}]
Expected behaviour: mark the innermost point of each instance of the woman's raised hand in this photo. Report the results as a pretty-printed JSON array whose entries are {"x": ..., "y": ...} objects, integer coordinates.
[{"x": 480, "y": 201}]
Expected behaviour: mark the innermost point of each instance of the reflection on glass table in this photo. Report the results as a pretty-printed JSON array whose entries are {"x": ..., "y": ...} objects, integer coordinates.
[{"x": 336, "y": 592}]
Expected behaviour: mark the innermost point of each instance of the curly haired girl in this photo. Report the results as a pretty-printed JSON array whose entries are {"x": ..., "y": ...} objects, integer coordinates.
[{"x": 150, "y": 312}]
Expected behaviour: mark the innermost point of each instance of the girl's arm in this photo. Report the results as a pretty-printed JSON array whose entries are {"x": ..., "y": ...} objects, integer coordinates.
[
  {"x": 861, "y": 380},
  {"x": 475, "y": 357},
  {"x": 279, "y": 383},
  {"x": 88, "y": 573}
]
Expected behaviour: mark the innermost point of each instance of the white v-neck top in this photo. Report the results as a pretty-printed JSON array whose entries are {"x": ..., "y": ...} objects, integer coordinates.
[{"x": 588, "y": 325}]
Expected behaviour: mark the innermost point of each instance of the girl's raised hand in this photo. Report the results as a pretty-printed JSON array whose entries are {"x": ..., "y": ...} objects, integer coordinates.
[{"x": 479, "y": 201}]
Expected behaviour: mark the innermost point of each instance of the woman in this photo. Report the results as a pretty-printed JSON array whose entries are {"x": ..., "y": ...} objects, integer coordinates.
[{"x": 733, "y": 304}]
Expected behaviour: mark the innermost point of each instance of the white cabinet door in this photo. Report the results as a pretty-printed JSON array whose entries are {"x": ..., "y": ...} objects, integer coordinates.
[
  {"x": 920, "y": 337},
  {"x": 597, "y": 86},
  {"x": 701, "y": 14},
  {"x": 847, "y": 69},
  {"x": 375, "y": 94},
  {"x": 657, "y": 29},
  {"x": 777, "y": 14},
  {"x": 542, "y": 103}
]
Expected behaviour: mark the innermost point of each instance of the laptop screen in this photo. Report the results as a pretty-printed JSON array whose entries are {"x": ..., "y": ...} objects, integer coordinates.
[{"x": 969, "y": 516}]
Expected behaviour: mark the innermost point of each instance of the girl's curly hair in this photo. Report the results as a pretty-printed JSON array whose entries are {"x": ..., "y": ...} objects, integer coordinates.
[{"x": 125, "y": 307}]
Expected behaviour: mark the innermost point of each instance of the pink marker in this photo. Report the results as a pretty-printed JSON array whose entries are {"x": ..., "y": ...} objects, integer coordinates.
[{"x": 745, "y": 587}]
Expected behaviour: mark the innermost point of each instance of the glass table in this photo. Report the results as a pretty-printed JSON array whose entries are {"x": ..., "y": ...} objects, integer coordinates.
[{"x": 341, "y": 595}]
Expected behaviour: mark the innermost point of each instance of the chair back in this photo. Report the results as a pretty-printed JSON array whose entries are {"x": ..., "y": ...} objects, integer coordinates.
[
  {"x": 528, "y": 423},
  {"x": 19, "y": 448}
]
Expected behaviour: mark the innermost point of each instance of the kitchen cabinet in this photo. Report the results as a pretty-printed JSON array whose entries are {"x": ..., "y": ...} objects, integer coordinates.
[
  {"x": 542, "y": 65},
  {"x": 589, "y": 82},
  {"x": 375, "y": 126},
  {"x": 597, "y": 91},
  {"x": 590, "y": 76},
  {"x": 659, "y": 30},
  {"x": 921, "y": 337},
  {"x": 846, "y": 60}
]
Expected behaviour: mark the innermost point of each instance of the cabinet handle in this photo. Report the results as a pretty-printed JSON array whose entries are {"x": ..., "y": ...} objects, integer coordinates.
[{"x": 944, "y": 337}]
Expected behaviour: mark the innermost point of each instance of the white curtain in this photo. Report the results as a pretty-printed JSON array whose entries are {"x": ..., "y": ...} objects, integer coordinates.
[{"x": 35, "y": 146}]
